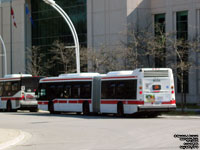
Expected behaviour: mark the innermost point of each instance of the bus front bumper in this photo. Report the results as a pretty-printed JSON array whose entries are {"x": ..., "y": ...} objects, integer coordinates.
[{"x": 156, "y": 108}]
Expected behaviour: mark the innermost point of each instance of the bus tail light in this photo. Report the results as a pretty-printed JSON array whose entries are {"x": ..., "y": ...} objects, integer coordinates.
[
  {"x": 140, "y": 87},
  {"x": 172, "y": 92},
  {"x": 172, "y": 87},
  {"x": 23, "y": 97},
  {"x": 141, "y": 92}
]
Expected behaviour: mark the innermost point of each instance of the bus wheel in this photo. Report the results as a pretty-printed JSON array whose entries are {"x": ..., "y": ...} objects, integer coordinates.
[
  {"x": 34, "y": 110},
  {"x": 86, "y": 108},
  {"x": 153, "y": 115},
  {"x": 120, "y": 109},
  {"x": 8, "y": 106},
  {"x": 51, "y": 107}
]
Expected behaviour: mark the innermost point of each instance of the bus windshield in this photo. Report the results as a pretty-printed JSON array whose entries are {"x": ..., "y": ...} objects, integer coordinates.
[{"x": 30, "y": 84}]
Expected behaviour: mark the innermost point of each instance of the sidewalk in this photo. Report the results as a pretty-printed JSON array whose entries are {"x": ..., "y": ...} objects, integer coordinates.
[
  {"x": 189, "y": 110},
  {"x": 9, "y": 137}
]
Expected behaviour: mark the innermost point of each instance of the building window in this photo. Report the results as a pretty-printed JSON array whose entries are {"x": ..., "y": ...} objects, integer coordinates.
[
  {"x": 182, "y": 34},
  {"x": 182, "y": 25},
  {"x": 159, "y": 31},
  {"x": 49, "y": 26}
]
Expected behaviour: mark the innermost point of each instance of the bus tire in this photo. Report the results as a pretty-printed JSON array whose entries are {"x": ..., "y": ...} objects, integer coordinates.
[
  {"x": 120, "y": 109},
  {"x": 86, "y": 108},
  {"x": 8, "y": 106},
  {"x": 51, "y": 107},
  {"x": 153, "y": 115},
  {"x": 34, "y": 110}
]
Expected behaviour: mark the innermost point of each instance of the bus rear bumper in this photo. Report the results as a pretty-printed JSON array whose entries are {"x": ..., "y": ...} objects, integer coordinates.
[
  {"x": 28, "y": 105},
  {"x": 156, "y": 108}
]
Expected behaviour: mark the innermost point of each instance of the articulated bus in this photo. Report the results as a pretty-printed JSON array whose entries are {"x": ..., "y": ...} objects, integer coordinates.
[
  {"x": 17, "y": 91},
  {"x": 149, "y": 91}
]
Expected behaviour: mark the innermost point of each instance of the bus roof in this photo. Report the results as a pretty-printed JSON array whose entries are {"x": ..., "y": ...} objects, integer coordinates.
[
  {"x": 72, "y": 76},
  {"x": 77, "y": 75},
  {"x": 17, "y": 75}
]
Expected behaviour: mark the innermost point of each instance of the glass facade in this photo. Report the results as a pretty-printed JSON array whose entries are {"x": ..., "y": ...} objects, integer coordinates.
[
  {"x": 159, "y": 31},
  {"x": 182, "y": 34},
  {"x": 50, "y": 26}
]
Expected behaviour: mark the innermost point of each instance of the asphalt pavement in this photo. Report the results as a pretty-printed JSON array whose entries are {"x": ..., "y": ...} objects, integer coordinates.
[
  {"x": 10, "y": 137},
  {"x": 43, "y": 131}
]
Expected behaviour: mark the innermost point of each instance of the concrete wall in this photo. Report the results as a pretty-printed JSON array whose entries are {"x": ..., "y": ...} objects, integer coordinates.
[
  {"x": 170, "y": 7},
  {"x": 18, "y": 56},
  {"x": 107, "y": 20}
]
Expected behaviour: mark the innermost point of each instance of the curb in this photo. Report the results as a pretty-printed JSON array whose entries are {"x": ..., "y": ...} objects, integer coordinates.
[{"x": 14, "y": 141}]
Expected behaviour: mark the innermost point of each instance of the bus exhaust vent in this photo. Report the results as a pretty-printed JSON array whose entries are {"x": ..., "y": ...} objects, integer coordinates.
[{"x": 156, "y": 73}]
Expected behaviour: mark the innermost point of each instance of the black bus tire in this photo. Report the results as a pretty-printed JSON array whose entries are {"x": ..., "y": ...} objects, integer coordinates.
[
  {"x": 34, "y": 110},
  {"x": 51, "y": 107},
  {"x": 86, "y": 108},
  {"x": 120, "y": 109},
  {"x": 8, "y": 106}
]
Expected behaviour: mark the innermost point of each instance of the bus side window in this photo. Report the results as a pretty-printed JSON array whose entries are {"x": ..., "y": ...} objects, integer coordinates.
[
  {"x": 131, "y": 87},
  {"x": 59, "y": 91},
  {"x": 67, "y": 91},
  {"x": 108, "y": 90},
  {"x": 105, "y": 90},
  {"x": 112, "y": 90},
  {"x": 76, "y": 91},
  {"x": 86, "y": 90},
  {"x": 7, "y": 91},
  {"x": 120, "y": 90},
  {"x": 1, "y": 88},
  {"x": 15, "y": 87},
  {"x": 51, "y": 92}
]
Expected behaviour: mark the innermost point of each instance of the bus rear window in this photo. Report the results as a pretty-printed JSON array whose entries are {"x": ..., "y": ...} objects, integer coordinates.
[{"x": 30, "y": 84}]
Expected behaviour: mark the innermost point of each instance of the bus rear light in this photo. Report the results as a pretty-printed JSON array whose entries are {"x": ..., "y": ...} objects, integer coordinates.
[
  {"x": 140, "y": 92},
  {"x": 140, "y": 87},
  {"x": 172, "y": 92},
  {"x": 23, "y": 97},
  {"x": 172, "y": 87}
]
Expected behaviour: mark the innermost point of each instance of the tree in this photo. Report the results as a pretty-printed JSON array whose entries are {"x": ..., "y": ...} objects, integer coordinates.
[
  {"x": 36, "y": 64},
  {"x": 171, "y": 52},
  {"x": 65, "y": 58}
]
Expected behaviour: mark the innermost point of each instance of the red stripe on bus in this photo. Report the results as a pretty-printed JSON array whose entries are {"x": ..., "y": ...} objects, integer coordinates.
[
  {"x": 119, "y": 77},
  {"x": 67, "y": 79},
  {"x": 170, "y": 102},
  {"x": 73, "y": 102},
  {"x": 109, "y": 102},
  {"x": 43, "y": 103},
  {"x": 62, "y": 101},
  {"x": 82, "y": 101},
  {"x": 136, "y": 102},
  {"x": 124, "y": 102},
  {"x": 11, "y": 98},
  {"x": 9, "y": 79}
]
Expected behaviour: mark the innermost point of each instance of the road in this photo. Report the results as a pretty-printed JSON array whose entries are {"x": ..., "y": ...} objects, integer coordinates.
[{"x": 77, "y": 132}]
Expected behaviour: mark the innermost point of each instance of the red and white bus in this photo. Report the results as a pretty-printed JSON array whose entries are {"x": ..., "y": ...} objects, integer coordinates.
[
  {"x": 149, "y": 91},
  {"x": 17, "y": 91}
]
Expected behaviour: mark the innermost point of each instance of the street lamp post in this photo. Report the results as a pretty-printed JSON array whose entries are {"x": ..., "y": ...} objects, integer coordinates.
[
  {"x": 72, "y": 28},
  {"x": 5, "y": 57}
]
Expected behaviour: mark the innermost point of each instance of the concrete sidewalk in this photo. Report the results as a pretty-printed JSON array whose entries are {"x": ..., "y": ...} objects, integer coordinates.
[{"x": 9, "y": 137}]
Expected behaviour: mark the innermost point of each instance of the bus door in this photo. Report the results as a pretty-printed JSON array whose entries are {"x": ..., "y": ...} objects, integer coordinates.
[{"x": 156, "y": 91}]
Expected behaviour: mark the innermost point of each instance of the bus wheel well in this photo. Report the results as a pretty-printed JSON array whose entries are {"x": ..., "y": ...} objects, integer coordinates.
[
  {"x": 86, "y": 108},
  {"x": 120, "y": 109}
]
